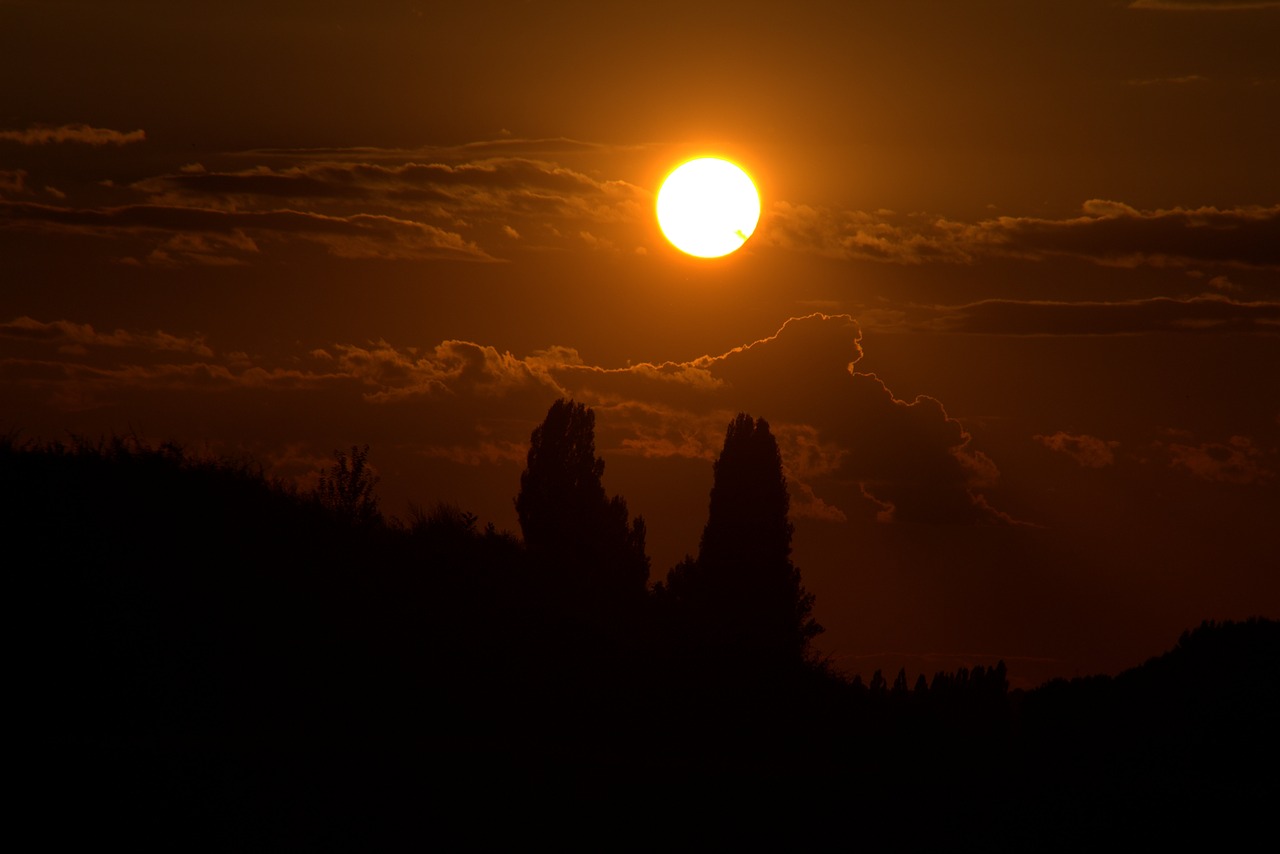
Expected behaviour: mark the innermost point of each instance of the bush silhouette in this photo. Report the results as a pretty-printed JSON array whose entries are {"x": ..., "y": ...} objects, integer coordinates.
[{"x": 347, "y": 488}]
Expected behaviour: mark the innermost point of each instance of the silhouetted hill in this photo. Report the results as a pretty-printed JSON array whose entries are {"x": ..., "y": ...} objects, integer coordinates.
[
  {"x": 218, "y": 661},
  {"x": 1173, "y": 747}
]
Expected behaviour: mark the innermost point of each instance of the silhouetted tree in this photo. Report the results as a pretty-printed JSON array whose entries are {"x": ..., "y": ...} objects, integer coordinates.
[
  {"x": 578, "y": 533},
  {"x": 900, "y": 684},
  {"x": 347, "y": 488},
  {"x": 743, "y": 586}
]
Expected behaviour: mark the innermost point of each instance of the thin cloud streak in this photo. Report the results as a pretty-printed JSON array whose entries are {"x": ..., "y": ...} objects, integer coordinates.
[
  {"x": 1107, "y": 233},
  {"x": 76, "y": 133},
  {"x": 1211, "y": 313},
  {"x": 355, "y": 236}
]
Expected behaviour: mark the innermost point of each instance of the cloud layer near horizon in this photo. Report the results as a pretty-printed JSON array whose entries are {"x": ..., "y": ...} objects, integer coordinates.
[{"x": 851, "y": 448}]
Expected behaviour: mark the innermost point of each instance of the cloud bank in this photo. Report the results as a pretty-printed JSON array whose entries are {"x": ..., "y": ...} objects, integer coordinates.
[{"x": 849, "y": 446}]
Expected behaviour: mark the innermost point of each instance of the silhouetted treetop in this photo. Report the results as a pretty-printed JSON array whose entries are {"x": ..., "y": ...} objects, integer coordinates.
[
  {"x": 743, "y": 588},
  {"x": 747, "y": 522},
  {"x": 568, "y": 521}
]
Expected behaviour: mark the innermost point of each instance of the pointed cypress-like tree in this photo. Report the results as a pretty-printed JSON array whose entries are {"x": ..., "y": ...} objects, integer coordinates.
[
  {"x": 579, "y": 535},
  {"x": 743, "y": 588}
]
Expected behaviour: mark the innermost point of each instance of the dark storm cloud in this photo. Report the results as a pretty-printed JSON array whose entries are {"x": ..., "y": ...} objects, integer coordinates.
[
  {"x": 78, "y": 133},
  {"x": 355, "y": 236},
  {"x": 1107, "y": 232},
  {"x": 1212, "y": 313}
]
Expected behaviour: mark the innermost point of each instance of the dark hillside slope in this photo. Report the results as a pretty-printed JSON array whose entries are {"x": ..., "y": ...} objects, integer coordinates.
[{"x": 208, "y": 657}]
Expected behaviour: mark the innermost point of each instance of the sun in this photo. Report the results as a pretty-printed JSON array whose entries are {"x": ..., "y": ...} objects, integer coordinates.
[{"x": 708, "y": 207}]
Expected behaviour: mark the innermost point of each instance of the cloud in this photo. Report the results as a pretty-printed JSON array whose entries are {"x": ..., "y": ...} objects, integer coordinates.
[
  {"x": 850, "y": 448},
  {"x": 484, "y": 452},
  {"x": 208, "y": 249},
  {"x": 78, "y": 336},
  {"x": 452, "y": 368},
  {"x": 355, "y": 236},
  {"x": 846, "y": 440},
  {"x": 1237, "y": 460},
  {"x": 72, "y": 385},
  {"x": 848, "y": 444},
  {"x": 1107, "y": 232},
  {"x": 13, "y": 181},
  {"x": 502, "y": 194},
  {"x": 81, "y": 133},
  {"x": 356, "y": 209},
  {"x": 858, "y": 235},
  {"x": 415, "y": 182},
  {"x": 1209, "y": 313},
  {"x": 466, "y": 151},
  {"x": 1088, "y": 451},
  {"x": 1167, "y": 81},
  {"x": 1114, "y": 233}
]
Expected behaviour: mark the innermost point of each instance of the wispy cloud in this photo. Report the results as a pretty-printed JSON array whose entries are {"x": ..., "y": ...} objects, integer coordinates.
[
  {"x": 77, "y": 133},
  {"x": 13, "y": 181},
  {"x": 1238, "y": 460},
  {"x": 1107, "y": 232},
  {"x": 1088, "y": 451},
  {"x": 1209, "y": 313},
  {"x": 1167, "y": 81},
  {"x": 82, "y": 335},
  {"x": 362, "y": 208},
  {"x": 355, "y": 236}
]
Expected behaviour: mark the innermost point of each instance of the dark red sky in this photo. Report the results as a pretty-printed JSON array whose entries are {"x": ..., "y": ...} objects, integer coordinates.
[{"x": 1047, "y": 236}]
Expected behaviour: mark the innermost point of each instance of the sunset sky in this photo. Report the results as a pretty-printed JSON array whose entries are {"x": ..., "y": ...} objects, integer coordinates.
[{"x": 1012, "y": 308}]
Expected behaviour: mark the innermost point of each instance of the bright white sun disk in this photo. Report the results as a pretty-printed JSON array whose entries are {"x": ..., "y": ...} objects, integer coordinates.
[{"x": 708, "y": 207}]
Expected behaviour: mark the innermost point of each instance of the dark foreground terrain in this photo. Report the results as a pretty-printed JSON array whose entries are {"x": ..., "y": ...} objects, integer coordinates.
[{"x": 210, "y": 660}]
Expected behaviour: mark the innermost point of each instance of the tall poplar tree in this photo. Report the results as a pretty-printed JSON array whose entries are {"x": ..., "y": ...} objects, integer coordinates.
[
  {"x": 578, "y": 534},
  {"x": 743, "y": 592}
]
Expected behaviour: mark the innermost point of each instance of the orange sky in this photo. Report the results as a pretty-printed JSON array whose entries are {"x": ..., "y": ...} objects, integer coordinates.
[{"x": 414, "y": 225}]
